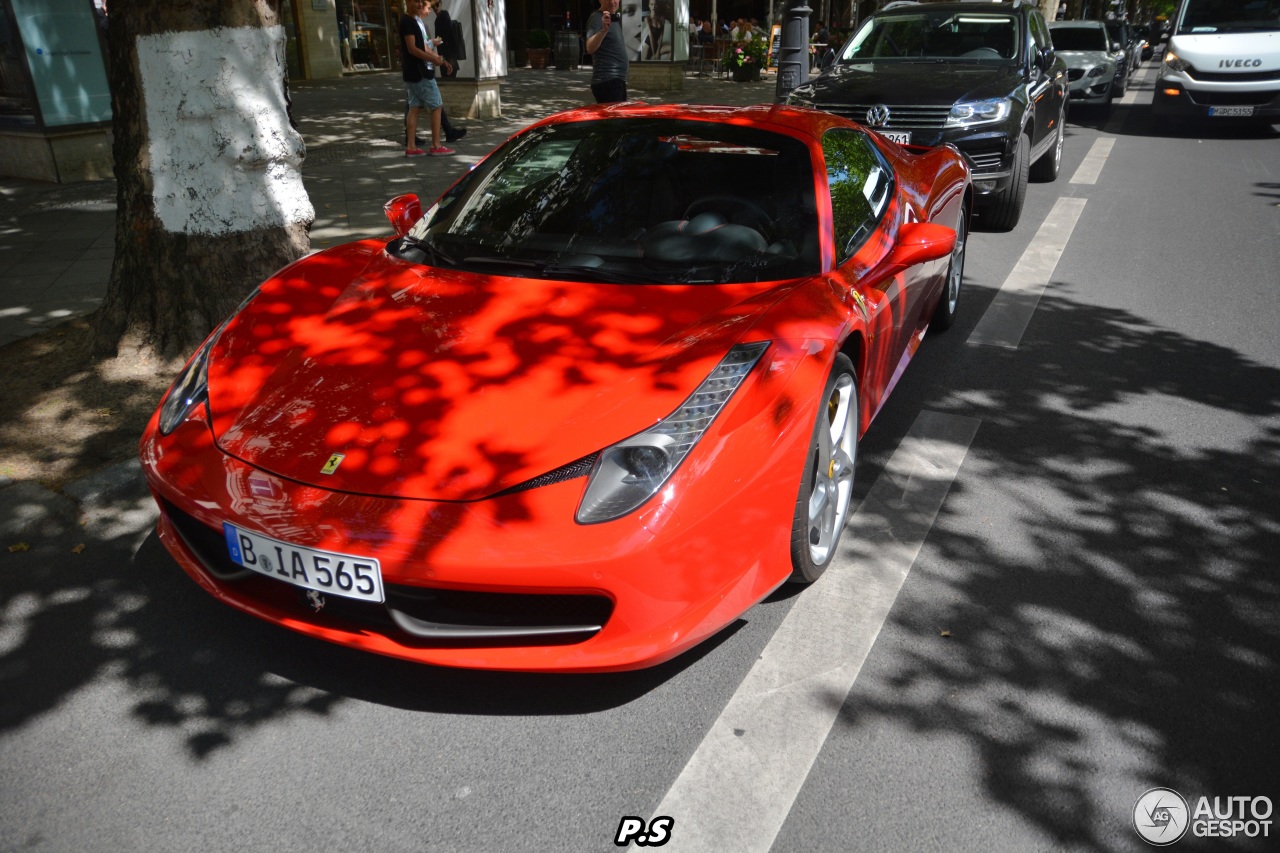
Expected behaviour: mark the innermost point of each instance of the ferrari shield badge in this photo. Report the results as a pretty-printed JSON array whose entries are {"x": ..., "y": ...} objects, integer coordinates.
[{"x": 332, "y": 465}]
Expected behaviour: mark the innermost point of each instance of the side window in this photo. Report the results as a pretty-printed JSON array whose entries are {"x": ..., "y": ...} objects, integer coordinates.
[
  {"x": 861, "y": 185},
  {"x": 1040, "y": 31}
]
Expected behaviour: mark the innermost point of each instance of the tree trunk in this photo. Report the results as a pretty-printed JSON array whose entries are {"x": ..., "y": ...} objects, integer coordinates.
[{"x": 209, "y": 190}]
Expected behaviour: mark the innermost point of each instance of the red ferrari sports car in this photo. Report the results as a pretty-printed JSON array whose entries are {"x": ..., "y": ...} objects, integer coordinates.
[{"x": 591, "y": 406}]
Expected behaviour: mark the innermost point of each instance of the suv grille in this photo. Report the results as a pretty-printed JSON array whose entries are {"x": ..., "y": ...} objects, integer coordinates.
[
  {"x": 901, "y": 116},
  {"x": 1075, "y": 73}
]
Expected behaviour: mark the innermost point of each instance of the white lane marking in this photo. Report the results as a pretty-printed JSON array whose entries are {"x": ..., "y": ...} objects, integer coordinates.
[
  {"x": 1006, "y": 319},
  {"x": 737, "y": 789},
  {"x": 1091, "y": 167}
]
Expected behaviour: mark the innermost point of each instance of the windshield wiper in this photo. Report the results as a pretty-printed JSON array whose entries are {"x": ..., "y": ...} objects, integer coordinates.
[
  {"x": 437, "y": 256},
  {"x": 597, "y": 273}
]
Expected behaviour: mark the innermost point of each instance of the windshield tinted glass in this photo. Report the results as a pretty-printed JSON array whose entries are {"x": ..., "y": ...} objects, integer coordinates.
[
  {"x": 1218, "y": 16},
  {"x": 632, "y": 200},
  {"x": 1078, "y": 38},
  {"x": 925, "y": 34}
]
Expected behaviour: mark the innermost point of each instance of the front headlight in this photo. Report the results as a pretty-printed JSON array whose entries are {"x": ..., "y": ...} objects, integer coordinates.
[
  {"x": 1173, "y": 63},
  {"x": 801, "y": 97},
  {"x": 191, "y": 388},
  {"x": 1097, "y": 71},
  {"x": 968, "y": 113},
  {"x": 633, "y": 470}
]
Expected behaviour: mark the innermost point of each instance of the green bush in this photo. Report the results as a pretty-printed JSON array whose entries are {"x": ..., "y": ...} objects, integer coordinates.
[{"x": 539, "y": 39}]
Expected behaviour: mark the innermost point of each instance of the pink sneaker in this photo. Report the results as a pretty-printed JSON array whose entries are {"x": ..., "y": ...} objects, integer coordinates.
[
  {"x": 414, "y": 152},
  {"x": 441, "y": 151}
]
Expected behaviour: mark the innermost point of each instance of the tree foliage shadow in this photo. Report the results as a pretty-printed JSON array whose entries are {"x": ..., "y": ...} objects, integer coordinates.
[{"x": 1130, "y": 630}]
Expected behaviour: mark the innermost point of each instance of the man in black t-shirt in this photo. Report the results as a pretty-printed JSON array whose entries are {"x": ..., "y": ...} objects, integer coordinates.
[
  {"x": 418, "y": 59},
  {"x": 609, "y": 55}
]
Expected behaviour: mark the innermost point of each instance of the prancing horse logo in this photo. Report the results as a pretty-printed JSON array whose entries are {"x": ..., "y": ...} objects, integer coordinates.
[
  {"x": 316, "y": 600},
  {"x": 878, "y": 116},
  {"x": 332, "y": 465}
]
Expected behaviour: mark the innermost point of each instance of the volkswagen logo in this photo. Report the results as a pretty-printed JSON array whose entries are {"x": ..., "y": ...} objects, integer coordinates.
[{"x": 878, "y": 116}]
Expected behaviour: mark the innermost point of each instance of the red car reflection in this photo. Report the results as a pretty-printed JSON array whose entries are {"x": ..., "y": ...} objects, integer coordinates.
[{"x": 595, "y": 403}]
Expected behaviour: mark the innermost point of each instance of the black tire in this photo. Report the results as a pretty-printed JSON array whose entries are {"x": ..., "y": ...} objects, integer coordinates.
[
  {"x": 826, "y": 484},
  {"x": 1006, "y": 209},
  {"x": 944, "y": 316},
  {"x": 1045, "y": 170},
  {"x": 1121, "y": 84}
]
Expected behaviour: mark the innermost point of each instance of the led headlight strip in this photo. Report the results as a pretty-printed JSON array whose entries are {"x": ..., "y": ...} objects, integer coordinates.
[{"x": 630, "y": 472}]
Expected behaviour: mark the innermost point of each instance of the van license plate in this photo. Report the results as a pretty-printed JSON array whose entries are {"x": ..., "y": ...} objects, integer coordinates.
[{"x": 1231, "y": 111}]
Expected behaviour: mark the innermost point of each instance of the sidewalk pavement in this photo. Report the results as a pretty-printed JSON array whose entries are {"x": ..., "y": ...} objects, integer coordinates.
[{"x": 57, "y": 241}]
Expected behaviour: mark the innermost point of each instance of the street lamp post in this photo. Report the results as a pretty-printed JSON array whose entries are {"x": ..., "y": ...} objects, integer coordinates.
[{"x": 793, "y": 52}]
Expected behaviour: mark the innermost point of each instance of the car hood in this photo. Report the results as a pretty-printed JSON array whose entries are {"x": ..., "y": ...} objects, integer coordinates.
[
  {"x": 438, "y": 384},
  {"x": 925, "y": 83},
  {"x": 1084, "y": 58},
  {"x": 1229, "y": 53}
]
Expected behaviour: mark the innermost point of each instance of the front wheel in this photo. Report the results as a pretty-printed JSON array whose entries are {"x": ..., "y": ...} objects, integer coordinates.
[
  {"x": 1006, "y": 209},
  {"x": 944, "y": 316},
  {"x": 826, "y": 485}
]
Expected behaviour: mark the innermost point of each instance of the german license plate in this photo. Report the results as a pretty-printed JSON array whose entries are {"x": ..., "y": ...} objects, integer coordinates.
[
  {"x": 1231, "y": 111},
  {"x": 901, "y": 137},
  {"x": 324, "y": 571}
]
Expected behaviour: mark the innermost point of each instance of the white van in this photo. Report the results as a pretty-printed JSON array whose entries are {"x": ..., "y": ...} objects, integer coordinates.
[{"x": 1222, "y": 61}]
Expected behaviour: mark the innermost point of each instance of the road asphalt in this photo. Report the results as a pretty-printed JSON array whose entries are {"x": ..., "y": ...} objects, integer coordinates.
[{"x": 57, "y": 241}]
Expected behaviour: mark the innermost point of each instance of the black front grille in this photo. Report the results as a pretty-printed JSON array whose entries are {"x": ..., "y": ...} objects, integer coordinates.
[
  {"x": 901, "y": 116},
  {"x": 1074, "y": 74},
  {"x": 1230, "y": 77},
  {"x": 416, "y": 616},
  {"x": 1232, "y": 99}
]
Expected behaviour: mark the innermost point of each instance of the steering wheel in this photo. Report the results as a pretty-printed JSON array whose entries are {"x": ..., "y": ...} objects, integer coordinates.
[
  {"x": 982, "y": 53},
  {"x": 763, "y": 221}
]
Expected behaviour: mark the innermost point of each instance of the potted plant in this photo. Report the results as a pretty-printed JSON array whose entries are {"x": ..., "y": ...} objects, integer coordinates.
[
  {"x": 539, "y": 48},
  {"x": 745, "y": 59}
]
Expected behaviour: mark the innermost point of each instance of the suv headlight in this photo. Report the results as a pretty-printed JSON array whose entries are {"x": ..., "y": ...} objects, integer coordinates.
[
  {"x": 801, "y": 97},
  {"x": 633, "y": 470},
  {"x": 968, "y": 113},
  {"x": 1097, "y": 71},
  {"x": 1173, "y": 63}
]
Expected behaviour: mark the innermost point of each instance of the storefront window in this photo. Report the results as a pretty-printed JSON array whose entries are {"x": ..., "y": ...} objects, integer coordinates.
[
  {"x": 63, "y": 51},
  {"x": 369, "y": 28},
  {"x": 292, "y": 50},
  {"x": 16, "y": 106}
]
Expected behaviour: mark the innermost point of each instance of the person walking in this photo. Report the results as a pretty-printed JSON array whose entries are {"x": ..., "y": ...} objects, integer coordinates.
[
  {"x": 418, "y": 62},
  {"x": 609, "y": 56},
  {"x": 448, "y": 39}
]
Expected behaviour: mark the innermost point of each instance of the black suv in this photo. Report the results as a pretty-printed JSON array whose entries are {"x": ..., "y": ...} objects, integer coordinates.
[{"x": 982, "y": 76}]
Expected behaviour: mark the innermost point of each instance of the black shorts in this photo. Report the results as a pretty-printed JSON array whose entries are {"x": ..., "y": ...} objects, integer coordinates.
[{"x": 610, "y": 91}]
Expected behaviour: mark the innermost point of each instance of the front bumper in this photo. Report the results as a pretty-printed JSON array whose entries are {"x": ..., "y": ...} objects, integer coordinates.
[
  {"x": 1091, "y": 91},
  {"x": 1174, "y": 98},
  {"x": 529, "y": 587}
]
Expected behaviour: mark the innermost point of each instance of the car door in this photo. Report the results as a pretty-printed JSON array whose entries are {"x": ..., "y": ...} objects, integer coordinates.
[
  {"x": 862, "y": 188},
  {"x": 1048, "y": 80}
]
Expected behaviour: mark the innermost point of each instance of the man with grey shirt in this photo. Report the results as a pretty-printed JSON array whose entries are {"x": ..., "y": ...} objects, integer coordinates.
[{"x": 609, "y": 56}]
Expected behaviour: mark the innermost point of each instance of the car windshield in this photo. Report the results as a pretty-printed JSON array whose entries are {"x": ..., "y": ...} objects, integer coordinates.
[
  {"x": 1230, "y": 16},
  {"x": 1078, "y": 38},
  {"x": 630, "y": 201},
  {"x": 935, "y": 35}
]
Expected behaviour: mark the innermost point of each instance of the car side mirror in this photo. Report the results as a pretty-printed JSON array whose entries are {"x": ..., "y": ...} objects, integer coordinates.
[
  {"x": 403, "y": 211},
  {"x": 1046, "y": 58},
  {"x": 918, "y": 243}
]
